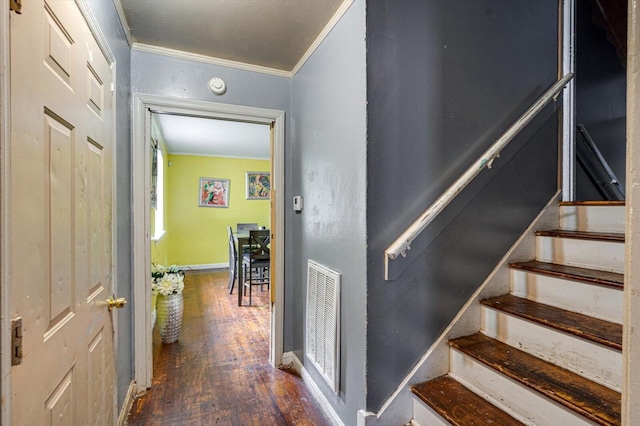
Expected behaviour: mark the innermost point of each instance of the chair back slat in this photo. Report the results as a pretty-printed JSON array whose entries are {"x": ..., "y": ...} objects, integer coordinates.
[{"x": 259, "y": 244}]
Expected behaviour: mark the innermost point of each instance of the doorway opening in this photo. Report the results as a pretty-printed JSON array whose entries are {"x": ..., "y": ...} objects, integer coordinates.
[{"x": 143, "y": 106}]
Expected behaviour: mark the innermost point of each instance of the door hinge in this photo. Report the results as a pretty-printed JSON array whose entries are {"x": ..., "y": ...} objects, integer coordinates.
[
  {"x": 16, "y": 341},
  {"x": 16, "y": 6}
]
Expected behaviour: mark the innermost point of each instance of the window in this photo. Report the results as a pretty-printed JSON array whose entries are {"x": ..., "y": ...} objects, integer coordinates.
[{"x": 158, "y": 230}]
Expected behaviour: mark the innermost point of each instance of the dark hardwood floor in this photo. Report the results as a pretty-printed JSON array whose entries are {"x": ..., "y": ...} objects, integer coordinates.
[{"x": 218, "y": 372}]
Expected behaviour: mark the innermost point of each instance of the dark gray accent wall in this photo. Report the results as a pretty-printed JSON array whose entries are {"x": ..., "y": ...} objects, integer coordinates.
[
  {"x": 601, "y": 96},
  {"x": 444, "y": 80},
  {"x": 109, "y": 22},
  {"x": 328, "y": 168}
]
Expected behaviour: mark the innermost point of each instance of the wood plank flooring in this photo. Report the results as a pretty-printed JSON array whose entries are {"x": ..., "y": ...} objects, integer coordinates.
[{"x": 218, "y": 372}]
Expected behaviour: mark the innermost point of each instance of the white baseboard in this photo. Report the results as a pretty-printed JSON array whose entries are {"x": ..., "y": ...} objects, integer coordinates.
[
  {"x": 127, "y": 404},
  {"x": 204, "y": 266},
  {"x": 290, "y": 359}
]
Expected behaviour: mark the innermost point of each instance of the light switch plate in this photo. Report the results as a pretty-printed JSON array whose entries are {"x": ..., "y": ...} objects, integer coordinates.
[{"x": 297, "y": 203}]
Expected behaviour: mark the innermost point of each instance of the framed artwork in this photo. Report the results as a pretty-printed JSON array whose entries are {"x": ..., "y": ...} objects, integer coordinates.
[
  {"x": 214, "y": 192},
  {"x": 258, "y": 185}
]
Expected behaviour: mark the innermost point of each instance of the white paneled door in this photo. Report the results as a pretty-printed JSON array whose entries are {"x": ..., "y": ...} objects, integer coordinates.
[{"x": 61, "y": 218}]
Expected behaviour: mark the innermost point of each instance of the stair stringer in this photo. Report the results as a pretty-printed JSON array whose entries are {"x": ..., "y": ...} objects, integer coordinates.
[{"x": 435, "y": 362}]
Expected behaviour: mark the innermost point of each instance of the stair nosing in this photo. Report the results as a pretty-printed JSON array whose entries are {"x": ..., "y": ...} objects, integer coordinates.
[
  {"x": 459, "y": 387},
  {"x": 573, "y": 273},
  {"x": 615, "y": 203},
  {"x": 583, "y": 235},
  {"x": 544, "y": 386},
  {"x": 581, "y": 331}
]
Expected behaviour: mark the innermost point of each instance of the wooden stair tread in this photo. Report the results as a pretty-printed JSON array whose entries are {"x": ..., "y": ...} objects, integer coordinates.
[
  {"x": 574, "y": 273},
  {"x": 594, "y": 329},
  {"x": 460, "y": 406},
  {"x": 592, "y": 400},
  {"x": 583, "y": 235},
  {"x": 593, "y": 203}
]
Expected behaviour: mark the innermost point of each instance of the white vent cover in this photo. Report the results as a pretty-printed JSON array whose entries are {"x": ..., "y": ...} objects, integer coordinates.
[{"x": 323, "y": 321}]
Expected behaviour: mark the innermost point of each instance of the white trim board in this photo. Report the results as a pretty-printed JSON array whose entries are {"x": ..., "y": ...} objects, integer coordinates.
[
  {"x": 204, "y": 266},
  {"x": 180, "y": 54},
  {"x": 567, "y": 38},
  {"x": 142, "y": 104},
  {"x": 127, "y": 404},
  {"x": 325, "y": 32},
  {"x": 123, "y": 21},
  {"x": 5, "y": 235},
  {"x": 290, "y": 358}
]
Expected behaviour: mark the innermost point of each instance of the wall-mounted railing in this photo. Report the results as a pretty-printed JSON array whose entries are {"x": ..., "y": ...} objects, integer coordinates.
[
  {"x": 400, "y": 246},
  {"x": 596, "y": 167}
]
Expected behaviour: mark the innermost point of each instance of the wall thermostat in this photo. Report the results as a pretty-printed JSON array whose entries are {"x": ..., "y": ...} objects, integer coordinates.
[
  {"x": 297, "y": 203},
  {"x": 217, "y": 86}
]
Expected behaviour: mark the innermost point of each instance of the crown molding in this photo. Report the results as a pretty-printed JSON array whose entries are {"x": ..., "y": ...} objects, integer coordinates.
[
  {"x": 208, "y": 59},
  {"x": 123, "y": 21},
  {"x": 325, "y": 32},
  {"x": 95, "y": 29}
]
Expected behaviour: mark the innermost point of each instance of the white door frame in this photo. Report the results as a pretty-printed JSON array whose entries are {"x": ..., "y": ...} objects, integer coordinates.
[
  {"x": 141, "y": 177},
  {"x": 5, "y": 237},
  {"x": 631, "y": 326},
  {"x": 568, "y": 65}
]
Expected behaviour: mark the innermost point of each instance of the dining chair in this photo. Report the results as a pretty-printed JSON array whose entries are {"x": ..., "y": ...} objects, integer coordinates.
[
  {"x": 233, "y": 260},
  {"x": 242, "y": 226},
  {"x": 255, "y": 263}
]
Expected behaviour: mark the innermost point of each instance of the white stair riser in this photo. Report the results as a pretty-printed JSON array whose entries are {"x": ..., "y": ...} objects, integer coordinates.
[
  {"x": 519, "y": 401},
  {"x": 604, "y": 255},
  {"x": 590, "y": 299},
  {"x": 423, "y": 415},
  {"x": 593, "y": 218},
  {"x": 594, "y": 361}
]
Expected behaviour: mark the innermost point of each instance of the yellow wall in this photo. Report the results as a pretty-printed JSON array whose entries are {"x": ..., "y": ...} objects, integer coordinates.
[{"x": 198, "y": 235}]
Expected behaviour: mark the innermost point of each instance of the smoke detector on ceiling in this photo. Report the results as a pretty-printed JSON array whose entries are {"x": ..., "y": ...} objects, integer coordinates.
[{"x": 217, "y": 86}]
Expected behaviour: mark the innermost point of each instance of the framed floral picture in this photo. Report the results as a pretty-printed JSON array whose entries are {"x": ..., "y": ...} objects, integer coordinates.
[
  {"x": 258, "y": 185},
  {"x": 214, "y": 192}
]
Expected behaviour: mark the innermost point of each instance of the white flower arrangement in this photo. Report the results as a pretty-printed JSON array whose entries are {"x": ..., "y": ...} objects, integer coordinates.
[{"x": 166, "y": 280}]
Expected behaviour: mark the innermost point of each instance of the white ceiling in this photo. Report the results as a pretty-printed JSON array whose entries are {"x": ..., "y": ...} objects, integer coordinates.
[
  {"x": 206, "y": 136},
  {"x": 275, "y": 34}
]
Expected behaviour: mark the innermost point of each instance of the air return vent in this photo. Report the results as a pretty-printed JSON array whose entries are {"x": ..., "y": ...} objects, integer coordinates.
[{"x": 323, "y": 321}]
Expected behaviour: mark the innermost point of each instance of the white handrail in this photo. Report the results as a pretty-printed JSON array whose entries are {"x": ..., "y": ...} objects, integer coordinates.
[{"x": 403, "y": 243}]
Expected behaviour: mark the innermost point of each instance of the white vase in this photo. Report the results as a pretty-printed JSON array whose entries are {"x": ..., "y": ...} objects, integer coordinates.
[{"x": 169, "y": 310}]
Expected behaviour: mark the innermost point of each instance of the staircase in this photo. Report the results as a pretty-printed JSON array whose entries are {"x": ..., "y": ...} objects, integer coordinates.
[{"x": 550, "y": 351}]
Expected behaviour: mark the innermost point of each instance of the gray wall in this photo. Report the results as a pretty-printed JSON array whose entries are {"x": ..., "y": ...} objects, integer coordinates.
[
  {"x": 444, "y": 80},
  {"x": 328, "y": 165},
  {"x": 165, "y": 76},
  {"x": 601, "y": 87},
  {"x": 106, "y": 15}
]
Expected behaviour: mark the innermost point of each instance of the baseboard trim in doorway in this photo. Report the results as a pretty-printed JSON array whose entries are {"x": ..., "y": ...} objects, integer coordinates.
[
  {"x": 127, "y": 404},
  {"x": 203, "y": 266},
  {"x": 290, "y": 359}
]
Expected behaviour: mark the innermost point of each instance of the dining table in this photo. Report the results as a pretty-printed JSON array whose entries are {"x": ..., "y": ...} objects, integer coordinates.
[{"x": 241, "y": 238}]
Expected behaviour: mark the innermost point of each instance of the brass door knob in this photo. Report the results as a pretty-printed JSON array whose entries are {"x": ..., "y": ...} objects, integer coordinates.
[{"x": 120, "y": 302}]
